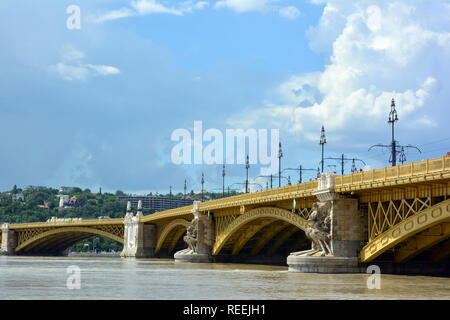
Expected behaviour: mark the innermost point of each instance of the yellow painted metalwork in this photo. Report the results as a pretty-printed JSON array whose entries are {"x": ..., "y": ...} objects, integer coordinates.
[
  {"x": 393, "y": 198},
  {"x": 249, "y": 233},
  {"x": 270, "y": 232},
  {"x": 421, "y": 242},
  {"x": 407, "y": 228},
  {"x": 287, "y": 233},
  {"x": 385, "y": 215},
  {"x": 81, "y": 223},
  {"x": 68, "y": 230},
  {"x": 427, "y": 170},
  {"x": 168, "y": 229},
  {"x": 255, "y": 214}
]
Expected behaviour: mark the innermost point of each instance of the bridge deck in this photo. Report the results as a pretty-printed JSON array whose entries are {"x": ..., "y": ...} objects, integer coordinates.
[{"x": 82, "y": 223}]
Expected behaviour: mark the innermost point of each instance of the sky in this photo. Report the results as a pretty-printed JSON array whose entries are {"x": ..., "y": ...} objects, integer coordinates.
[{"x": 96, "y": 106}]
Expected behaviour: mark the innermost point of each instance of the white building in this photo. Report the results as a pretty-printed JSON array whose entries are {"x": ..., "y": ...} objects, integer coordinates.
[
  {"x": 18, "y": 196},
  {"x": 63, "y": 200}
]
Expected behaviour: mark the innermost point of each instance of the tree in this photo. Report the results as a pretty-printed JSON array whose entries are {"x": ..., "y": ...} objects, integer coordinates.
[{"x": 120, "y": 193}]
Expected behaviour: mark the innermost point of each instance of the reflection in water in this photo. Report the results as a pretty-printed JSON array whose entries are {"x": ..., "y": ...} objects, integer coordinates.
[{"x": 115, "y": 278}]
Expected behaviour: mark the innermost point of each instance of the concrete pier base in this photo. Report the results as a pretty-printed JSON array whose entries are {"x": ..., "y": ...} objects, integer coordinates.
[
  {"x": 184, "y": 256},
  {"x": 325, "y": 264},
  {"x": 9, "y": 240}
]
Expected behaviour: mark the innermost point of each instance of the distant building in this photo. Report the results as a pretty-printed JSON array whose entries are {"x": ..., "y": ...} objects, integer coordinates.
[
  {"x": 73, "y": 201},
  {"x": 42, "y": 206},
  {"x": 156, "y": 203},
  {"x": 34, "y": 187},
  {"x": 66, "y": 189},
  {"x": 63, "y": 200},
  {"x": 18, "y": 196}
]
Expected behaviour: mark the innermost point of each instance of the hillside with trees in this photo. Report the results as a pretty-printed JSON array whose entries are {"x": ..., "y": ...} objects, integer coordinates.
[{"x": 39, "y": 204}]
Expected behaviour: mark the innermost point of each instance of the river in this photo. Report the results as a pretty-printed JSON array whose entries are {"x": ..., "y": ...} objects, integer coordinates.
[{"x": 116, "y": 278}]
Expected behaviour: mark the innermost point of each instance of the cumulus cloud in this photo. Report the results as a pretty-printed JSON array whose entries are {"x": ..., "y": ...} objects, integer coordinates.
[
  {"x": 290, "y": 12},
  {"x": 378, "y": 51},
  {"x": 72, "y": 68}
]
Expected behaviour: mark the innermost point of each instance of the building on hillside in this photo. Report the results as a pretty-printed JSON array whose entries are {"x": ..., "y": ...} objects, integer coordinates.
[
  {"x": 156, "y": 203},
  {"x": 33, "y": 188},
  {"x": 73, "y": 201},
  {"x": 66, "y": 189},
  {"x": 18, "y": 196},
  {"x": 63, "y": 200}
]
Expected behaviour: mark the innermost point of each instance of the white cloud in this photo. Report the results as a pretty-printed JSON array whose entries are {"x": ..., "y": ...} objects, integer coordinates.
[
  {"x": 102, "y": 69},
  {"x": 290, "y": 12},
  {"x": 243, "y": 5},
  {"x": 148, "y": 7},
  {"x": 71, "y": 54},
  {"x": 115, "y": 14},
  {"x": 72, "y": 68},
  {"x": 144, "y": 7},
  {"x": 377, "y": 52},
  {"x": 201, "y": 5}
]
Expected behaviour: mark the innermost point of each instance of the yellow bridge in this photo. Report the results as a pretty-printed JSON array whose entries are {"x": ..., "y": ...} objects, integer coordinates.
[{"x": 401, "y": 212}]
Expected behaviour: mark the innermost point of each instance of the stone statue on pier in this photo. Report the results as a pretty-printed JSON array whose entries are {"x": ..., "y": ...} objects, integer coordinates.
[
  {"x": 191, "y": 237},
  {"x": 200, "y": 237},
  {"x": 318, "y": 230}
]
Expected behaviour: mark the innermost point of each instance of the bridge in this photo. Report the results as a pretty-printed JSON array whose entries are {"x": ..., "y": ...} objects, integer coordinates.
[{"x": 389, "y": 214}]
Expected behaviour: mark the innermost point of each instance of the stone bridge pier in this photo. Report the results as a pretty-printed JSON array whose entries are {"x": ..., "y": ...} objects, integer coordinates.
[
  {"x": 9, "y": 240},
  {"x": 336, "y": 229},
  {"x": 200, "y": 237},
  {"x": 139, "y": 238}
]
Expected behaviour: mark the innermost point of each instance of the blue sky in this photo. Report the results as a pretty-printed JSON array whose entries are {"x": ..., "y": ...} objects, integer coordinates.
[{"x": 96, "y": 107}]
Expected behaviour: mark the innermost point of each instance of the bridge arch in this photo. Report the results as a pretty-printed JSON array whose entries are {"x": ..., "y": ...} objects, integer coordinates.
[
  {"x": 176, "y": 228},
  {"x": 65, "y": 236},
  {"x": 414, "y": 229},
  {"x": 266, "y": 216}
]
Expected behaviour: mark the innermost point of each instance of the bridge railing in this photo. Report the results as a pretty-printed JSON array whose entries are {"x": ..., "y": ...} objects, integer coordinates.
[
  {"x": 301, "y": 189},
  {"x": 400, "y": 171}
]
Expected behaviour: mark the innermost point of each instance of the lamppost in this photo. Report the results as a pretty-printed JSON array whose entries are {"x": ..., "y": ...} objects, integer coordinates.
[
  {"x": 247, "y": 166},
  {"x": 241, "y": 183},
  {"x": 280, "y": 155},
  {"x": 271, "y": 179},
  {"x": 203, "y": 181},
  {"x": 322, "y": 142},
  {"x": 185, "y": 187},
  {"x": 342, "y": 159},
  {"x": 393, "y": 118},
  {"x": 300, "y": 172},
  {"x": 223, "y": 181}
]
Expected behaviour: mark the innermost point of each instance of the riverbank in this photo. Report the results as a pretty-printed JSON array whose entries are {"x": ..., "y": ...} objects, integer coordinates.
[{"x": 94, "y": 254}]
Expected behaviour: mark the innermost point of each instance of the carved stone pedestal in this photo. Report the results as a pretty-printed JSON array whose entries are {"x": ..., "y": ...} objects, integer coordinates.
[
  {"x": 199, "y": 238},
  {"x": 335, "y": 229},
  {"x": 182, "y": 256},
  {"x": 327, "y": 264}
]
